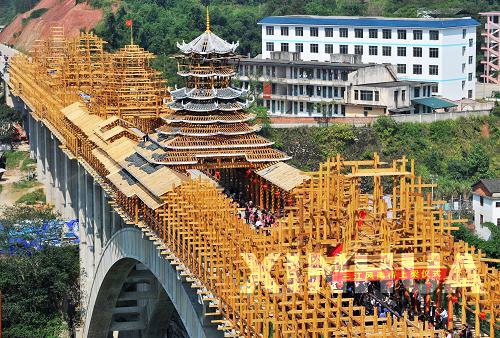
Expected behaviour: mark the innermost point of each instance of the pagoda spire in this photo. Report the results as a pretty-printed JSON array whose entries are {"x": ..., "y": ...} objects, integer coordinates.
[{"x": 208, "y": 20}]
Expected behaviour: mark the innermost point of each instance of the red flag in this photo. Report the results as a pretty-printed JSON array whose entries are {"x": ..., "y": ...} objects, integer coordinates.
[
  {"x": 335, "y": 251},
  {"x": 129, "y": 23}
]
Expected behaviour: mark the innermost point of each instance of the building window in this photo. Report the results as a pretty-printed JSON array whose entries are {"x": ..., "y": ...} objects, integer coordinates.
[
  {"x": 434, "y": 89},
  {"x": 269, "y": 30},
  {"x": 329, "y": 32},
  {"x": 497, "y": 204},
  {"x": 386, "y": 51},
  {"x": 470, "y": 76},
  {"x": 358, "y": 33},
  {"x": 469, "y": 94},
  {"x": 386, "y": 33},
  {"x": 284, "y": 47},
  {"x": 299, "y": 47},
  {"x": 401, "y": 51},
  {"x": 434, "y": 35},
  {"x": 402, "y": 34},
  {"x": 366, "y": 95},
  {"x": 377, "y": 96},
  {"x": 463, "y": 68},
  {"x": 343, "y": 32},
  {"x": 344, "y": 49},
  {"x": 358, "y": 50},
  {"x": 433, "y": 70},
  {"x": 433, "y": 52},
  {"x": 464, "y": 33},
  {"x": 373, "y": 50},
  {"x": 416, "y": 92},
  {"x": 417, "y": 34},
  {"x": 481, "y": 219},
  {"x": 417, "y": 52},
  {"x": 401, "y": 68},
  {"x": 329, "y": 48},
  {"x": 299, "y": 31},
  {"x": 463, "y": 51},
  {"x": 356, "y": 95},
  {"x": 498, "y": 222},
  {"x": 270, "y": 46},
  {"x": 417, "y": 69},
  {"x": 471, "y": 42},
  {"x": 463, "y": 85},
  {"x": 373, "y": 33},
  {"x": 470, "y": 59},
  {"x": 284, "y": 31},
  {"x": 314, "y": 48},
  {"x": 403, "y": 95},
  {"x": 481, "y": 200},
  {"x": 313, "y": 31}
]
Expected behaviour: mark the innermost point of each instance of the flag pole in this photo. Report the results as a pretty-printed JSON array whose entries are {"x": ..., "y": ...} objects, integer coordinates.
[{"x": 131, "y": 40}]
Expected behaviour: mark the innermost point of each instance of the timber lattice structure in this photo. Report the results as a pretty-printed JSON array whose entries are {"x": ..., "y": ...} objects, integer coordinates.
[{"x": 199, "y": 229}]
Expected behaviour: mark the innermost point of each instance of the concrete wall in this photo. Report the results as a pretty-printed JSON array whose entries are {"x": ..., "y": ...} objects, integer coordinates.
[{"x": 489, "y": 211}]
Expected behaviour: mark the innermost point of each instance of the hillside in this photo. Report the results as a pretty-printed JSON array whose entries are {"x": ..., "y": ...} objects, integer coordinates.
[
  {"x": 454, "y": 154},
  {"x": 35, "y": 24}
]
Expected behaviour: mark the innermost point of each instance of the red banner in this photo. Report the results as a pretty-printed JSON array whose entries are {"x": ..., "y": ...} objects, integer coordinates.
[
  {"x": 267, "y": 90},
  {"x": 439, "y": 274}
]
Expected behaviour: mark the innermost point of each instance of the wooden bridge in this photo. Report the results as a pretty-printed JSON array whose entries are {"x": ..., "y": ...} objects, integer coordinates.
[{"x": 94, "y": 124}]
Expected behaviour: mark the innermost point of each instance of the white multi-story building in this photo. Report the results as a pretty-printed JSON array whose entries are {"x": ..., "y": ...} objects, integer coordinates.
[
  {"x": 486, "y": 205},
  {"x": 434, "y": 50}
]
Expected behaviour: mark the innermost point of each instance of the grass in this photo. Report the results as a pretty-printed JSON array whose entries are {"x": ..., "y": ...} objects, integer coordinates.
[
  {"x": 27, "y": 163},
  {"x": 25, "y": 184},
  {"x": 14, "y": 157},
  {"x": 33, "y": 197}
]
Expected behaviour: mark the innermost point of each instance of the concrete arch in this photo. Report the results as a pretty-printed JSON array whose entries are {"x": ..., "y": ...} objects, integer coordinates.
[{"x": 123, "y": 251}]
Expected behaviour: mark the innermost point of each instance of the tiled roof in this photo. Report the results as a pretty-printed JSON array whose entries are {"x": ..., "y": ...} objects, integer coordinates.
[{"x": 208, "y": 43}]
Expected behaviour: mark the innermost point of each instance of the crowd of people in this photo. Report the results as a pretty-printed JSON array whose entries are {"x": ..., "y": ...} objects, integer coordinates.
[
  {"x": 397, "y": 299},
  {"x": 260, "y": 219}
]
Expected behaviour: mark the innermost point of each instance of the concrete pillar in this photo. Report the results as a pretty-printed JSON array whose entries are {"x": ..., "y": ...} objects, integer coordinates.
[
  {"x": 69, "y": 186},
  {"x": 106, "y": 219},
  {"x": 97, "y": 220},
  {"x": 84, "y": 273},
  {"x": 57, "y": 175},
  {"x": 89, "y": 222},
  {"x": 39, "y": 152},
  {"x": 48, "y": 179}
]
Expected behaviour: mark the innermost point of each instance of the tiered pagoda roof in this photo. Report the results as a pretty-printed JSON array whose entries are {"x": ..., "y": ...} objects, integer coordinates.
[{"x": 209, "y": 126}]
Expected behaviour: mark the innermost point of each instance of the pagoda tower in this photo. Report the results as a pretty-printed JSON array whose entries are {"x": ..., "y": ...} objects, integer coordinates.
[{"x": 209, "y": 128}]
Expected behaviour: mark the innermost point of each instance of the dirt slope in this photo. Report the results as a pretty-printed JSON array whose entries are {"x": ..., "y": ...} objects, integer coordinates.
[{"x": 61, "y": 13}]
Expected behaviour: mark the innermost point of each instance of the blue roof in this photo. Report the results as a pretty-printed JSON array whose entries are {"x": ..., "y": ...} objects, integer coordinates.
[
  {"x": 367, "y": 22},
  {"x": 435, "y": 102}
]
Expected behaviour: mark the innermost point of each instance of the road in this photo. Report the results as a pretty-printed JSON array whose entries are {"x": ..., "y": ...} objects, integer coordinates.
[{"x": 5, "y": 50}]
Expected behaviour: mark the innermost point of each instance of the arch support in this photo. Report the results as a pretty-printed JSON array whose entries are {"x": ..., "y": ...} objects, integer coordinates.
[{"x": 117, "y": 269}]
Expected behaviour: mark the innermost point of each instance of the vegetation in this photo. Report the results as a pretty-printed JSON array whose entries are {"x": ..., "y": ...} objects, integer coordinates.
[
  {"x": 453, "y": 154},
  {"x": 40, "y": 292},
  {"x": 491, "y": 246},
  {"x": 25, "y": 184},
  {"x": 15, "y": 157},
  {"x": 10, "y": 8},
  {"x": 35, "y": 14},
  {"x": 32, "y": 198},
  {"x": 8, "y": 117}
]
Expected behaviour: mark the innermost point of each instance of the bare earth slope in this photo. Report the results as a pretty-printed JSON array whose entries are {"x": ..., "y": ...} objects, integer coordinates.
[{"x": 60, "y": 12}]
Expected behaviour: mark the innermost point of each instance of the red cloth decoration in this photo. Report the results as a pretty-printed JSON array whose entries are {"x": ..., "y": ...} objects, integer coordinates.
[
  {"x": 128, "y": 23},
  {"x": 454, "y": 299},
  {"x": 482, "y": 315},
  {"x": 277, "y": 194},
  {"x": 334, "y": 251},
  {"x": 362, "y": 216},
  {"x": 264, "y": 186}
]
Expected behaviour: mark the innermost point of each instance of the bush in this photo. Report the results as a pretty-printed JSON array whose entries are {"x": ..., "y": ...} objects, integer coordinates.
[{"x": 33, "y": 197}]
